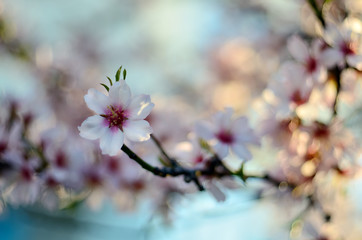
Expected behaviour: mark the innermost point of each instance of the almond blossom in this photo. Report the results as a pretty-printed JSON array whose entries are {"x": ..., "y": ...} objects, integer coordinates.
[
  {"x": 223, "y": 133},
  {"x": 310, "y": 59},
  {"x": 290, "y": 89},
  {"x": 345, "y": 47},
  {"x": 119, "y": 115}
]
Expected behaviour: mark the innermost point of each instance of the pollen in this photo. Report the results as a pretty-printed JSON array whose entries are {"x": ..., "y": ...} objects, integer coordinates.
[
  {"x": 115, "y": 117},
  {"x": 225, "y": 137}
]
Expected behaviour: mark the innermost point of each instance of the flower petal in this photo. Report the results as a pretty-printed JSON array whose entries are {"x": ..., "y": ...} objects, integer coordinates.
[
  {"x": 355, "y": 61},
  {"x": 221, "y": 149},
  {"x": 331, "y": 57},
  {"x": 140, "y": 107},
  {"x": 298, "y": 49},
  {"x": 241, "y": 151},
  {"x": 223, "y": 119},
  {"x": 111, "y": 141},
  {"x": 138, "y": 130},
  {"x": 204, "y": 130},
  {"x": 120, "y": 94},
  {"x": 96, "y": 101},
  {"x": 92, "y": 128}
]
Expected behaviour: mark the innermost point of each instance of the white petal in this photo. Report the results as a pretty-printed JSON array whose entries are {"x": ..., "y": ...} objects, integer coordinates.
[
  {"x": 96, "y": 101},
  {"x": 140, "y": 107},
  {"x": 93, "y": 127},
  {"x": 317, "y": 46},
  {"x": 120, "y": 94},
  {"x": 332, "y": 35},
  {"x": 241, "y": 151},
  {"x": 320, "y": 75},
  {"x": 222, "y": 120},
  {"x": 331, "y": 57},
  {"x": 216, "y": 192},
  {"x": 111, "y": 141},
  {"x": 138, "y": 130},
  {"x": 240, "y": 125},
  {"x": 355, "y": 61},
  {"x": 221, "y": 149},
  {"x": 298, "y": 49},
  {"x": 204, "y": 130}
]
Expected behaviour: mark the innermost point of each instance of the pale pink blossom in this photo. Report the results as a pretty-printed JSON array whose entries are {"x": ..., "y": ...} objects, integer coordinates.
[
  {"x": 345, "y": 47},
  {"x": 119, "y": 116},
  {"x": 310, "y": 58},
  {"x": 223, "y": 132},
  {"x": 191, "y": 153},
  {"x": 290, "y": 88}
]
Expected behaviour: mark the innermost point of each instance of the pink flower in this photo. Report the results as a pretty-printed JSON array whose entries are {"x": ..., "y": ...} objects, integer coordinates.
[
  {"x": 310, "y": 58},
  {"x": 345, "y": 47},
  {"x": 290, "y": 88},
  {"x": 119, "y": 115},
  {"x": 223, "y": 133},
  {"x": 191, "y": 153}
]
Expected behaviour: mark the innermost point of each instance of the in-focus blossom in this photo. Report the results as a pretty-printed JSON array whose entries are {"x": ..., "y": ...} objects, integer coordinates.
[
  {"x": 345, "y": 47},
  {"x": 223, "y": 133},
  {"x": 119, "y": 115},
  {"x": 310, "y": 59}
]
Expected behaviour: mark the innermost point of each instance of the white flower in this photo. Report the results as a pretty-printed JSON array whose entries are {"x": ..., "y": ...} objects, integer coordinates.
[
  {"x": 310, "y": 58},
  {"x": 290, "y": 88},
  {"x": 223, "y": 132},
  {"x": 119, "y": 115},
  {"x": 345, "y": 47}
]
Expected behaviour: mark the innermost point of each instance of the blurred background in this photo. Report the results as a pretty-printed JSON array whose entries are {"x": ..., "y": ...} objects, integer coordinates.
[{"x": 191, "y": 56}]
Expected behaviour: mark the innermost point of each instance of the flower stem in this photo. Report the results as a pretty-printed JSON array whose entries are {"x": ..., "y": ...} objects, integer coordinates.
[
  {"x": 172, "y": 161},
  {"x": 337, "y": 78},
  {"x": 317, "y": 11},
  {"x": 139, "y": 160}
]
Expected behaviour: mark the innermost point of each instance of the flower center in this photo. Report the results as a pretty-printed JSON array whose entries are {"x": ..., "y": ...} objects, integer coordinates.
[
  {"x": 311, "y": 65},
  {"x": 115, "y": 116},
  {"x": 225, "y": 137},
  {"x": 297, "y": 98},
  {"x": 60, "y": 160},
  {"x": 26, "y": 174},
  {"x": 347, "y": 48}
]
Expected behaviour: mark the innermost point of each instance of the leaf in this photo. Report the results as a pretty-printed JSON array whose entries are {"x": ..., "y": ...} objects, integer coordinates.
[
  {"x": 110, "y": 80},
  {"x": 105, "y": 86},
  {"x": 73, "y": 205},
  {"x": 163, "y": 162},
  {"x": 124, "y": 74},
  {"x": 240, "y": 173},
  {"x": 118, "y": 73},
  {"x": 204, "y": 145}
]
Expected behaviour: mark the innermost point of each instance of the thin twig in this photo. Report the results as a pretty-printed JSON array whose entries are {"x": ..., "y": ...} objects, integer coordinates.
[
  {"x": 317, "y": 12},
  {"x": 172, "y": 161}
]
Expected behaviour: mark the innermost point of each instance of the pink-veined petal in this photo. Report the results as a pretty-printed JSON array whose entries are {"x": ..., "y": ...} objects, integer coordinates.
[
  {"x": 120, "y": 94},
  {"x": 96, "y": 101},
  {"x": 298, "y": 49},
  {"x": 138, "y": 130},
  {"x": 241, "y": 151},
  {"x": 140, "y": 107},
  {"x": 92, "y": 128},
  {"x": 111, "y": 141}
]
